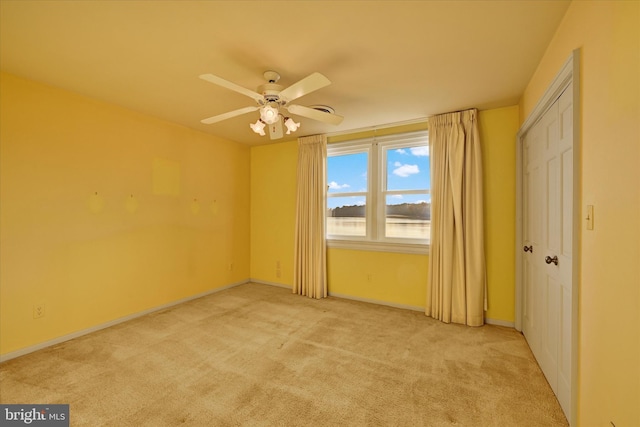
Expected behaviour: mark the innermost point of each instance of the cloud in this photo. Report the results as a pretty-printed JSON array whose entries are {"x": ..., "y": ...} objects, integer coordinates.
[
  {"x": 420, "y": 151},
  {"x": 335, "y": 186},
  {"x": 397, "y": 196},
  {"x": 405, "y": 170}
]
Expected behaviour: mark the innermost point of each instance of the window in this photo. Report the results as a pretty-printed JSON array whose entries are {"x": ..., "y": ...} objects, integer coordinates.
[{"x": 378, "y": 193}]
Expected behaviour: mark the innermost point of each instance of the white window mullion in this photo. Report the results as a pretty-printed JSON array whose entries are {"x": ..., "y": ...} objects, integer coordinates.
[
  {"x": 373, "y": 193},
  {"x": 404, "y": 231},
  {"x": 349, "y": 194},
  {"x": 381, "y": 191}
]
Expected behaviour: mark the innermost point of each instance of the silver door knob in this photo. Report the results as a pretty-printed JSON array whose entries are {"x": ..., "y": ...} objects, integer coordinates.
[{"x": 550, "y": 260}]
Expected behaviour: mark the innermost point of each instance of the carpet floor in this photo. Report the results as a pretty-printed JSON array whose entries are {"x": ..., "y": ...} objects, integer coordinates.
[{"x": 257, "y": 355}]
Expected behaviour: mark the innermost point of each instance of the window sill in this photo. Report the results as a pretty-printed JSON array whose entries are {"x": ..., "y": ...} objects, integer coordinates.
[{"x": 363, "y": 245}]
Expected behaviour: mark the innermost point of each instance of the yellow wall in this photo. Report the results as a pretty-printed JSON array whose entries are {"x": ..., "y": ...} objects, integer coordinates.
[
  {"x": 608, "y": 34},
  {"x": 498, "y": 130},
  {"x": 273, "y": 211},
  {"x": 392, "y": 278},
  {"x": 398, "y": 279},
  {"x": 106, "y": 212}
]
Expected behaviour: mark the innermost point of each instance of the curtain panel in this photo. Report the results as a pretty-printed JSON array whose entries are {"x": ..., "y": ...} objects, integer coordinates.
[
  {"x": 457, "y": 271},
  {"x": 310, "y": 263}
]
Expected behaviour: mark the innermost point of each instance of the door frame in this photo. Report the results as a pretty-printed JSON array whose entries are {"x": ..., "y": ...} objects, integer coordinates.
[{"x": 569, "y": 75}]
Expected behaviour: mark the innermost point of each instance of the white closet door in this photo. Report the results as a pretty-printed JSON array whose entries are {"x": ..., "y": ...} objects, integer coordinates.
[
  {"x": 532, "y": 237},
  {"x": 547, "y": 237},
  {"x": 564, "y": 272}
]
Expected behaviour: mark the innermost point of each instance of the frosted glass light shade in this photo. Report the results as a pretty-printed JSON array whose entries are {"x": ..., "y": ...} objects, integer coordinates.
[
  {"x": 258, "y": 127},
  {"x": 291, "y": 125},
  {"x": 269, "y": 115}
]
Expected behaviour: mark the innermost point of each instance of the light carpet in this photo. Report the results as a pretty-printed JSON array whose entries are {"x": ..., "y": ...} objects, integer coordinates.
[{"x": 258, "y": 355}]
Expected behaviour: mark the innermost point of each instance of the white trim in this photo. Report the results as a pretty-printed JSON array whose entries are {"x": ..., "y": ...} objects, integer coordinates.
[
  {"x": 264, "y": 282},
  {"x": 577, "y": 236},
  {"x": 495, "y": 322},
  {"x": 498, "y": 322},
  {"x": 569, "y": 75},
  {"x": 561, "y": 81},
  {"x": 367, "y": 245},
  {"x": 77, "y": 334},
  {"x": 378, "y": 302},
  {"x": 518, "y": 240},
  {"x": 351, "y": 146},
  {"x": 376, "y": 148}
]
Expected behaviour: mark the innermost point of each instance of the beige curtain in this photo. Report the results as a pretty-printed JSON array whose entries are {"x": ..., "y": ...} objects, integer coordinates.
[
  {"x": 310, "y": 246},
  {"x": 457, "y": 275}
]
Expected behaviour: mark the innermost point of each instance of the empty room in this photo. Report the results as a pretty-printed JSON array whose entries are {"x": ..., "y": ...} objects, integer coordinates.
[{"x": 320, "y": 213}]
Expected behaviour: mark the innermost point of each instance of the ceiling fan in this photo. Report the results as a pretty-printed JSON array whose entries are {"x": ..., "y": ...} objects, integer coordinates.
[{"x": 271, "y": 98}]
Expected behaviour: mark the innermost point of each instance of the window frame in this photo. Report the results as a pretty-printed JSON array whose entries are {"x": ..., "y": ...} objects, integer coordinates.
[{"x": 375, "y": 206}]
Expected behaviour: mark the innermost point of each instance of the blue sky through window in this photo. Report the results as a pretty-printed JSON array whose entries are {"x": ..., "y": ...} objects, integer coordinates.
[{"x": 407, "y": 169}]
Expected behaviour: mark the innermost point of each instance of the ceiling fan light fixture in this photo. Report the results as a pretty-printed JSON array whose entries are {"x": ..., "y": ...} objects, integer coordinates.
[
  {"x": 258, "y": 127},
  {"x": 291, "y": 125},
  {"x": 269, "y": 114},
  {"x": 270, "y": 97}
]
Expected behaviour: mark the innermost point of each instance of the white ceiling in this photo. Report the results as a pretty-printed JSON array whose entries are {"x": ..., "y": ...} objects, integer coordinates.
[{"x": 388, "y": 61}]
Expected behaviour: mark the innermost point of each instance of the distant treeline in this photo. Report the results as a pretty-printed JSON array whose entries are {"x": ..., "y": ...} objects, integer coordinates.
[{"x": 404, "y": 210}]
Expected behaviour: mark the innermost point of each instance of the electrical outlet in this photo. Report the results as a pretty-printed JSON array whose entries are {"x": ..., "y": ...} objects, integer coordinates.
[{"x": 38, "y": 310}]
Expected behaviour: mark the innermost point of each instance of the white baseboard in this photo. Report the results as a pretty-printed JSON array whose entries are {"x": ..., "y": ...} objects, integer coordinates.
[
  {"x": 333, "y": 294},
  {"x": 61, "y": 339},
  {"x": 495, "y": 322},
  {"x": 375, "y": 301},
  {"x": 349, "y": 297},
  {"x": 264, "y": 282},
  {"x": 498, "y": 322}
]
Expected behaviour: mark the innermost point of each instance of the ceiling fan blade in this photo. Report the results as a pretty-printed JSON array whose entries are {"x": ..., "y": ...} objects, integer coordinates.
[
  {"x": 314, "y": 114},
  {"x": 307, "y": 85},
  {"x": 220, "y": 117},
  {"x": 232, "y": 86}
]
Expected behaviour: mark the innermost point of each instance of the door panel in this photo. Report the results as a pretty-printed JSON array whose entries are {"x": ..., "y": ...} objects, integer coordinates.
[
  {"x": 552, "y": 229},
  {"x": 565, "y": 271},
  {"x": 564, "y": 359},
  {"x": 548, "y": 357},
  {"x": 567, "y": 203},
  {"x": 532, "y": 220},
  {"x": 547, "y": 229}
]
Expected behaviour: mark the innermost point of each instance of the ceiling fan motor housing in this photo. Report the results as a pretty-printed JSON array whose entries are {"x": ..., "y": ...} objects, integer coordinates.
[{"x": 270, "y": 91}]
